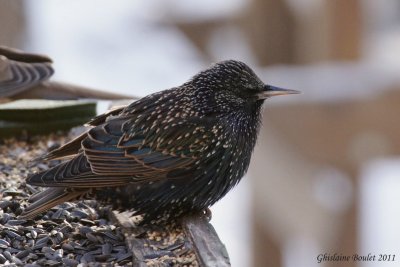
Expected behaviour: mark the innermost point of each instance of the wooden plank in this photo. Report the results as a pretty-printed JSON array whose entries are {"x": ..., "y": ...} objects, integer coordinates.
[
  {"x": 194, "y": 243},
  {"x": 57, "y": 90},
  {"x": 208, "y": 247}
]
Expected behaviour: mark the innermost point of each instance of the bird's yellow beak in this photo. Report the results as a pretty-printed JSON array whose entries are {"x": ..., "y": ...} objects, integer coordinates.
[{"x": 270, "y": 90}]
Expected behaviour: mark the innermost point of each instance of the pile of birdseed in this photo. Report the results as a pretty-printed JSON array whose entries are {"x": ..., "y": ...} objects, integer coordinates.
[{"x": 71, "y": 234}]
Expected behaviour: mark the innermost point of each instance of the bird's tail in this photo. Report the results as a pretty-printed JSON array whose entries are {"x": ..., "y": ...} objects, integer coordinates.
[{"x": 49, "y": 198}]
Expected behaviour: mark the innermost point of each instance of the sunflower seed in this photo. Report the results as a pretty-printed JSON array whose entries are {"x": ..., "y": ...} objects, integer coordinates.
[
  {"x": 100, "y": 239},
  {"x": 41, "y": 242},
  {"x": 79, "y": 214},
  {"x": 7, "y": 254},
  {"x": 106, "y": 249},
  {"x": 4, "y": 243},
  {"x": 57, "y": 214},
  {"x": 111, "y": 235},
  {"x": 16, "y": 260},
  {"x": 16, "y": 222},
  {"x": 42, "y": 235},
  {"x": 124, "y": 256},
  {"x": 66, "y": 229},
  {"x": 101, "y": 222},
  {"x": 13, "y": 250},
  {"x": 33, "y": 234},
  {"x": 4, "y": 204},
  {"x": 70, "y": 262},
  {"x": 119, "y": 249},
  {"x": 32, "y": 256},
  {"x": 12, "y": 234},
  {"x": 58, "y": 254},
  {"x": 102, "y": 258},
  {"x": 22, "y": 254},
  {"x": 49, "y": 256},
  {"x": 87, "y": 257},
  {"x": 67, "y": 246},
  {"x": 60, "y": 235},
  {"x": 2, "y": 259},
  {"x": 40, "y": 230},
  {"x": 84, "y": 230},
  {"x": 5, "y": 218},
  {"x": 91, "y": 237},
  {"x": 52, "y": 263}
]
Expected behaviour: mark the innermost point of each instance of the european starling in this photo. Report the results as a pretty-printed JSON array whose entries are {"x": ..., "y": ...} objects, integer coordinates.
[{"x": 170, "y": 153}]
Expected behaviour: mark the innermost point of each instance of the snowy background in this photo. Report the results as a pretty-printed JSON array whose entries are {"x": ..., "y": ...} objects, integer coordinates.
[{"x": 125, "y": 46}]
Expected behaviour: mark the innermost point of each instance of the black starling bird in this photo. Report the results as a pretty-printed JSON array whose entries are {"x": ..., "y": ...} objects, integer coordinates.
[{"x": 170, "y": 153}]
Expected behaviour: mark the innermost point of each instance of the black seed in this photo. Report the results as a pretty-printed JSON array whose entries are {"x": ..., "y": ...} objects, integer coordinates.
[
  {"x": 2, "y": 259},
  {"x": 4, "y": 204},
  {"x": 42, "y": 242},
  {"x": 33, "y": 234},
  {"x": 12, "y": 234},
  {"x": 16, "y": 222},
  {"x": 101, "y": 258},
  {"x": 91, "y": 237},
  {"x": 22, "y": 254},
  {"x": 70, "y": 262},
  {"x": 4, "y": 243},
  {"x": 5, "y": 218},
  {"x": 7, "y": 255},
  {"x": 17, "y": 261},
  {"x": 106, "y": 249},
  {"x": 87, "y": 257},
  {"x": 79, "y": 214},
  {"x": 67, "y": 246},
  {"x": 124, "y": 256}
]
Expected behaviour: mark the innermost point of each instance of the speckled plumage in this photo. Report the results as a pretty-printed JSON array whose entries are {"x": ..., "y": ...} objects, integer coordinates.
[{"x": 170, "y": 153}]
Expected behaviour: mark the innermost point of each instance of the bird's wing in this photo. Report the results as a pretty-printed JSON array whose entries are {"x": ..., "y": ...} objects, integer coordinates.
[
  {"x": 19, "y": 71},
  {"x": 51, "y": 197},
  {"x": 74, "y": 146},
  {"x": 112, "y": 156},
  {"x": 117, "y": 148},
  {"x": 76, "y": 173}
]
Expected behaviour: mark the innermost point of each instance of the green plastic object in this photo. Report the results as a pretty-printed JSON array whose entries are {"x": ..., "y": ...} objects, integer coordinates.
[{"x": 43, "y": 116}]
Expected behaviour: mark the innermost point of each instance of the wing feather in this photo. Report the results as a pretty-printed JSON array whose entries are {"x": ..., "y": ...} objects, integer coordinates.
[
  {"x": 124, "y": 149},
  {"x": 20, "y": 71},
  {"x": 48, "y": 199}
]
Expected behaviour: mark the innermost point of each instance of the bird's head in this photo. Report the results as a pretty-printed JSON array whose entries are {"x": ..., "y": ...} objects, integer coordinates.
[{"x": 235, "y": 80}]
